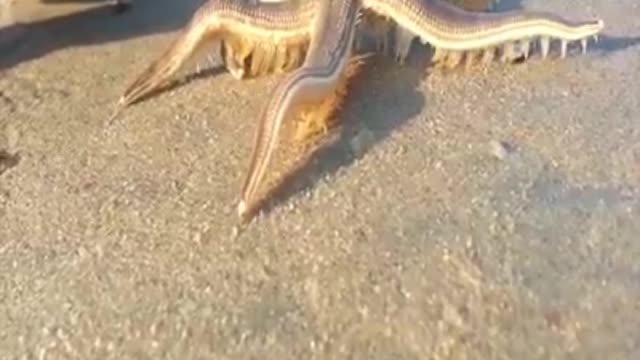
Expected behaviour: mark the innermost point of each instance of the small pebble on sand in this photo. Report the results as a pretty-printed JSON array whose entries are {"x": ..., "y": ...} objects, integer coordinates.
[{"x": 500, "y": 149}]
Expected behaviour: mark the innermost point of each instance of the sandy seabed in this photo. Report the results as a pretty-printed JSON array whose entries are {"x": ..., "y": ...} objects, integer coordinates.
[{"x": 121, "y": 241}]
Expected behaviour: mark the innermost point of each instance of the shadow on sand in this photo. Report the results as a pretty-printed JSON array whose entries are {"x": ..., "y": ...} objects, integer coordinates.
[
  {"x": 381, "y": 115},
  {"x": 386, "y": 109},
  {"x": 92, "y": 26}
]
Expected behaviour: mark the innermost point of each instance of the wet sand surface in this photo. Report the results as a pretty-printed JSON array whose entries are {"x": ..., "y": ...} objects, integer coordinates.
[{"x": 491, "y": 216}]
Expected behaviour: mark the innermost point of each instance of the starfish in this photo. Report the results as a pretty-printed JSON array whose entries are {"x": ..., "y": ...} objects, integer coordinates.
[{"x": 311, "y": 42}]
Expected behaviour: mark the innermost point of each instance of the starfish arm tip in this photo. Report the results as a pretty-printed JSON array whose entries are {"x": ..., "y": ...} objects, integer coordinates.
[{"x": 242, "y": 208}]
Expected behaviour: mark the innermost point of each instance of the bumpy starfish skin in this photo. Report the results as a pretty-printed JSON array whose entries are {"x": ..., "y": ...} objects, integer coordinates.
[
  {"x": 404, "y": 39},
  {"x": 312, "y": 41},
  {"x": 372, "y": 24},
  {"x": 381, "y": 27},
  {"x": 317, "y": 118}
]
